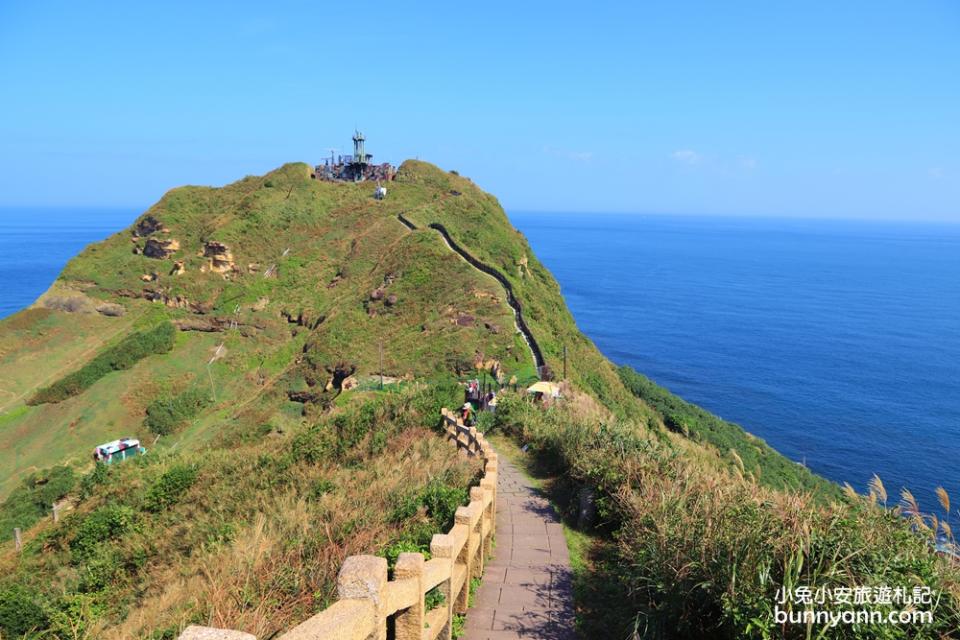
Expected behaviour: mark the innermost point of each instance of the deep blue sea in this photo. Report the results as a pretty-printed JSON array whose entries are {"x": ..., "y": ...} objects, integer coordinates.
[
  {"x": 837, "y": 342},
  {"x": 35, "y": 244}
]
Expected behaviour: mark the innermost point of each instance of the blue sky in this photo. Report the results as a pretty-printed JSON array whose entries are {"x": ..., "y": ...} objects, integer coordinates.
[{"x": 837, "y": 109}]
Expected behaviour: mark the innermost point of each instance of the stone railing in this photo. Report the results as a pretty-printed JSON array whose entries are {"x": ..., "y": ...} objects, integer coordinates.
[{"x": 367, "y": 599}]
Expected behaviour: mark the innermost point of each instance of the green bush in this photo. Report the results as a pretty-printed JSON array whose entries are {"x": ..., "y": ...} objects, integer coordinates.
[
  {"x": 99, "y": 476},
  {"x": 106, "y": 523},
  {"x": 20, "y": 612},
  {"x": 107, "y": 564},
  {"x": 442, "y": 502},
  {"x": 313, "y": 445},
  {"x": 123, "y": 355},
  {"x": 166, "y": 414},
  {"x": 169, "y": 487},
  {"x": 392, "y": 552},
  {"x": 321, "y": 488},
  {"x": 35, "y": 496},
  {"x": 485, "y": 421},
  {"x": 439, "y": 500}
]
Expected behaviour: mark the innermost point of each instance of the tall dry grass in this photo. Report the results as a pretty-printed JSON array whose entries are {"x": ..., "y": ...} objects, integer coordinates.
[
  {"x": 255, "y": 541},
  {"x": 701, "y": 548}
]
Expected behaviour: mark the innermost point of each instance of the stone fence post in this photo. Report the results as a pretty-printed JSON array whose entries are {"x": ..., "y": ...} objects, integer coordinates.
[
  {"x": 365, "y": 578},
  {"x": 442, "y": 547},
  {"x": 409, "y": 623}
]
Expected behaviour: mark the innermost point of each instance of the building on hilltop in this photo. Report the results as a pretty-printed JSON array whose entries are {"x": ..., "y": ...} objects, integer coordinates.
[{"x": 354, "y": 168}]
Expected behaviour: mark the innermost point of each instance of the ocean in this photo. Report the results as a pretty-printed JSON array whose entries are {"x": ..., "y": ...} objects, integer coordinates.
[
  {"x": 36, "y": 243},
  {"x": 836, "y": 342}
]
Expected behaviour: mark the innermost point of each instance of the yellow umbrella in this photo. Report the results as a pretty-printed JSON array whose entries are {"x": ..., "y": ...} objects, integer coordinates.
[{"x": 544, "y": 387}]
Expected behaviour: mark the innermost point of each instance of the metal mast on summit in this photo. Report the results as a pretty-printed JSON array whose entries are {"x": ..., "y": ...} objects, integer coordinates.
[{"x": 359, "y": 156}]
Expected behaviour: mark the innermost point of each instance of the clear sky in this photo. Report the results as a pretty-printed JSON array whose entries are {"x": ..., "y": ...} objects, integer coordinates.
[{"x": 840, "y": 109}]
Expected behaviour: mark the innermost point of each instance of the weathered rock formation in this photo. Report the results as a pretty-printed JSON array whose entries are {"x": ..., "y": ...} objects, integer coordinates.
[
  {"x": 148, "y": 226},
  {"x": 111, "y": 309},
  {"x": 161, "y": 249},
  {"x": 220, "y": 257}
]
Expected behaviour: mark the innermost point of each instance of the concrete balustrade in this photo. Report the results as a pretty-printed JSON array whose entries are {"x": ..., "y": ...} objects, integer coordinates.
[{"x": 368, "y": 600}]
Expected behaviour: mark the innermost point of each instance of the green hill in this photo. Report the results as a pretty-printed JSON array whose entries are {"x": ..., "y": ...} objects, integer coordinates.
[{"x": 241, "y": 334}]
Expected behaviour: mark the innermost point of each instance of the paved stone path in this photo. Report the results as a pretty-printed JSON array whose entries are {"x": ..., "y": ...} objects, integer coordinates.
[{"x": 527, "y": 588}]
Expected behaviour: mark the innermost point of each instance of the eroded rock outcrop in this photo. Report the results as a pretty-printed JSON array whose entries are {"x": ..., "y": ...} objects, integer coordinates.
[
  {"x": 148, "y": 226},
  {"x": 164, "y": 297},
  {"x": 111, "y": 309},
  {"x": 216, "y": 325},
  {"x": 219, "y": 256},
  {"x": 161, "y": 249},
  {"x": 303, "y": 318}
]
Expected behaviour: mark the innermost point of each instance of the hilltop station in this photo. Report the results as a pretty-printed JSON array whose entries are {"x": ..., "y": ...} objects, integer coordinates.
[{"x": 354, "y": 168}]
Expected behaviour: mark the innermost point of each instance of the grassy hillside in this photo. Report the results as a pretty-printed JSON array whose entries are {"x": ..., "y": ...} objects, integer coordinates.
[
  {"x": 310, "y": 276},
  {"x": 239, "y": 333}
]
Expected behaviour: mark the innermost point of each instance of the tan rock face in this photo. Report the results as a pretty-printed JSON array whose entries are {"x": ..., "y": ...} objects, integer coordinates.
[{"x": 221, "y": 259}]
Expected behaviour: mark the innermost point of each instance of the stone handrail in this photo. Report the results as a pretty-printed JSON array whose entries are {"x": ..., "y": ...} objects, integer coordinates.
[{"x": 367, "y": 599}]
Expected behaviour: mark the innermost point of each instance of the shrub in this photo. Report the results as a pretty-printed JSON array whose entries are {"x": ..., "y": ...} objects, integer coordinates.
[
  {"x": 99, "y": 476},
  {"x": 313, "y": 445},
  {"x": 392, "y": 552},
  {"x": 169, "y": 487},
  {"x": 121, "y": 356},
  {"x": 166, "y": 414},
  {"x": 108, "y": 564},
  {"x": 20, "y": 612},
  {"x": 321, "y": 488},
  {"x": 106, "y": 523},
  {"x": 35, "y": 496},
  {"x": 485, "y": 421},
  {"x": 439, "y": 500},
  {"x": 442, "y": 502}
]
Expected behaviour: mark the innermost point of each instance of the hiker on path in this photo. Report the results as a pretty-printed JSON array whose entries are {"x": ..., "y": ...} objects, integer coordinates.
[
  {"x": 492, "y": 402},
  {"x": 467, "y": 413}
]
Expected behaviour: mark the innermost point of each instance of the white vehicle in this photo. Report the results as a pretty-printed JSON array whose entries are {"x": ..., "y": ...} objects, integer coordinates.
[{"x": 118, "y": 450}]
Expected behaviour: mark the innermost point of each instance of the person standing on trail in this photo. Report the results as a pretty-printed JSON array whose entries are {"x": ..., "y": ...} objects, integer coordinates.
[{"x": 467, "y": 413}]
